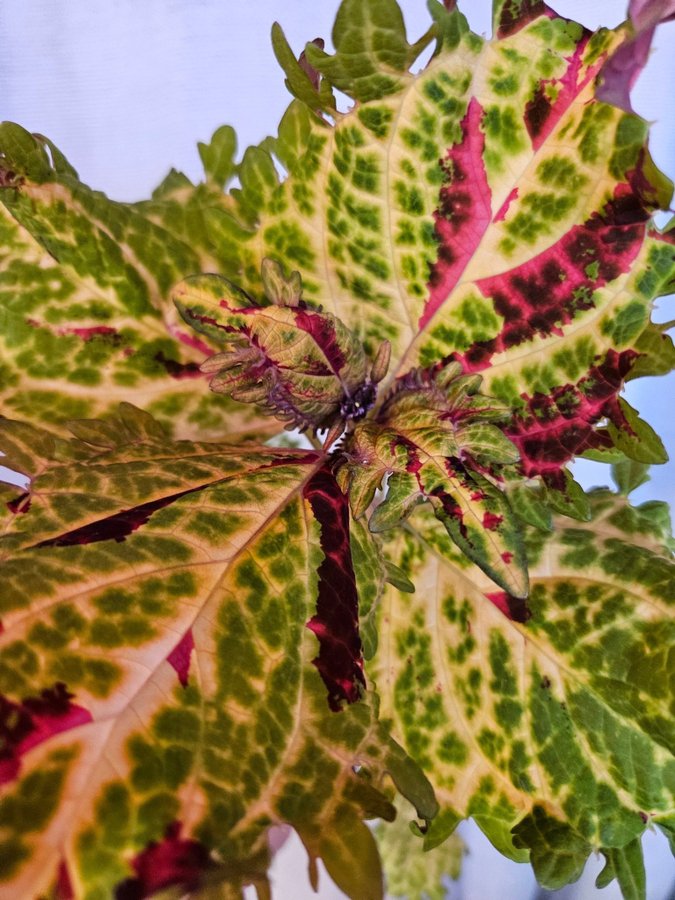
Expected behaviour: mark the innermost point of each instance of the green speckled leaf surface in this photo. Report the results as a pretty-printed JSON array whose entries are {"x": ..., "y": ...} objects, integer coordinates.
[
  {"x": 161, "y": 622},
  {"x": 553, "y": 733}
]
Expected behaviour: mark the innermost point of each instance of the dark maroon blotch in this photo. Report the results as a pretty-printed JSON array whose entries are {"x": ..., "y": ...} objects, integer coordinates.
[
  {"x": 558, "y": 426},
  {"x": 171, "y": 862},
  {"x": 544, "y": 294},
  {"x": 19, "y": 505},
  {"x": 94, "y": 331},
  {"x": 322, "y": 330},
  {"x": 336, "y": 623},
  {"x": 464, "y": 210},
  {"x": 181, "y": 655},
  {"x": 119, "y": 525},
  {"x": 537, "y": 111},
  {"x": 541, "y": 114},
  {"x": 177, "y": 369},
  {"x": 516, "y": 14},
  {"x": 64, "y": 886}
]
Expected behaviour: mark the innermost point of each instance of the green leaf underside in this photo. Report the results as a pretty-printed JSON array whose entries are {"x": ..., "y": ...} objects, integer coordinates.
[
  {"x": 553, "y": 734},
  {"x": 166, "y": 588},
  {"x": 163, "y": 672}
]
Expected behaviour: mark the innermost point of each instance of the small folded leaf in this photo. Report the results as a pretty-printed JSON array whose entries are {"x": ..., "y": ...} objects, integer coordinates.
[
  {"x": 298, "y": 81},
  {"x": 412, "y": 870},
  {"x": 279, "y": 289},
  {"x": 487, "y": 443},
  {"x": 403, "y": 494},
  {"x": 627, "y": 866},
  {"x": 657, "y": 352},
  {"x": 349, "y": 853},
  {"x": 567, "y": 497},
  {"x": 529, "y": 504},
  {"x": 218, "y": 156},
  {"x": 451, "y": 24},
  {"x": 397, "y": 577},
  {"x": 637, "y": 439},
  {"x": 480, "y": 521},
  {"x": 629, "y": 475},
  {"x": 372, "y": 54}
]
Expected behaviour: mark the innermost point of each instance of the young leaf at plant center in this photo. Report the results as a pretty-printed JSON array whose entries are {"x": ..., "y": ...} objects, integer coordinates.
[
  {"x": 297, "y": 363},
  {"x": 436, "y": 439},
  {"x": 166, "y": 650},
  {"x": 555, "y": 730}
]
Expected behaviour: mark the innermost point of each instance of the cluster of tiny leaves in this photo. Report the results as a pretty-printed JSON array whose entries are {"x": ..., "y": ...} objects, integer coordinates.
[{"x": 199, "y": 640}]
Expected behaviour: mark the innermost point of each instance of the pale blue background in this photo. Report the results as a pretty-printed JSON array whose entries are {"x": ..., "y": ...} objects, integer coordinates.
[{"x": 126, "y": 89}]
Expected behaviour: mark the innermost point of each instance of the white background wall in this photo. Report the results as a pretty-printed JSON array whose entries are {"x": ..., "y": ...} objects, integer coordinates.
[{"x": 126, "y": 89}]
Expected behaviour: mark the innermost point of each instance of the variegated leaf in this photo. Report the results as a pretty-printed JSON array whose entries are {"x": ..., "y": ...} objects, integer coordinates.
[
  {"x": 181, "y": 659},
  {"x": 180, "y": 634},
  {"x": 84, "y": 286},
  {"x": 416, "y": 872},
  {"x": 488, "y": 209},
  {"x": 553, "y": 730}
]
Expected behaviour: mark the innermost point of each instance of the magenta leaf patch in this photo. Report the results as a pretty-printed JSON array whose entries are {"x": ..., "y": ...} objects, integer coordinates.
[
  {"x": 36, "y": 719},
  {"x": 336, "y": 623}
]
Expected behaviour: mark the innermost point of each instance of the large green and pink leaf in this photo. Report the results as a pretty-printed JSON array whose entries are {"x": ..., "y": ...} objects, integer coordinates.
[
  {"x": 488, "y": 209},
  {"x": 181, "y": 662},
  {"x": 550, "y": 723}
]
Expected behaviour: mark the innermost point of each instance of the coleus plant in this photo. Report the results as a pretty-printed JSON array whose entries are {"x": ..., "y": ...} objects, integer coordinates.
[{"x": 409, "y": 609}]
